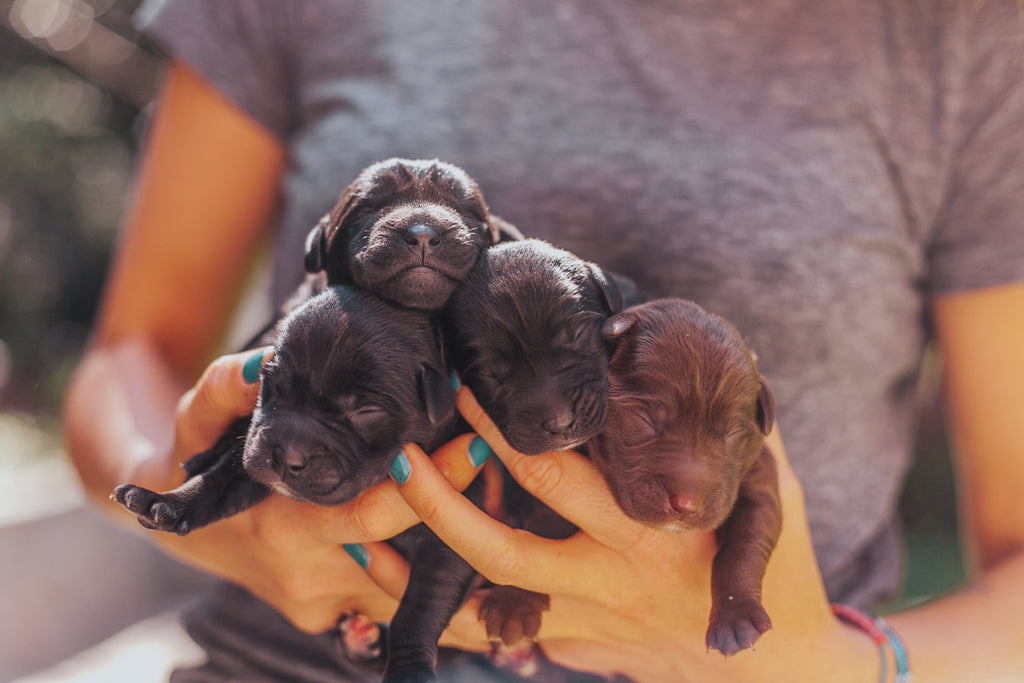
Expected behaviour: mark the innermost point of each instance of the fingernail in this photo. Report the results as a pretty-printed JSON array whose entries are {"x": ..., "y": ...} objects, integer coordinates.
[
  {"x": 358, "y": 553},
  {"x": 455, "y": 381},
  {"x": 401, "y": 469},
  {"x": 479, "y": 451},
  {"x": 251, "y": 369}
]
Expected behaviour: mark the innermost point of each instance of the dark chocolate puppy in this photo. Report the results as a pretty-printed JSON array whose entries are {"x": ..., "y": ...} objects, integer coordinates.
[
  {"x": 684, "y": 448},
  {"x": 352, "y": 379},
  {"x": 408, "y": 230},
  {"x": 524, "y": 334}
]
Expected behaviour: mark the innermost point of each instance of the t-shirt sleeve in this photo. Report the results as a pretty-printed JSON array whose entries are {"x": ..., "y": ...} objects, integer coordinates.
[
  {"x": 241, "y": 48},
  {"x": 980, "y": 240}
]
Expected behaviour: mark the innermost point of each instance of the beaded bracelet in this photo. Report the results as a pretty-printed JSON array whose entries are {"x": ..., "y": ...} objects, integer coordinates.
[{"x": 883, "y": 636}]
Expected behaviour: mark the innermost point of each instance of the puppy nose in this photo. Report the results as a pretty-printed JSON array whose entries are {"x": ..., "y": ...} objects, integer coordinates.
[
  {"x": 421, "y": 235},
  {"x": 290, "y": 459},
  {"x": 686, "y": 503},
  {"x": 559, "y": 424}
]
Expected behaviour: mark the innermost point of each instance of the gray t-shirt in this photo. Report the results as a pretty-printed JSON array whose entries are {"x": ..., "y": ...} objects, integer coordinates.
[{"x": 813, "y": 171}]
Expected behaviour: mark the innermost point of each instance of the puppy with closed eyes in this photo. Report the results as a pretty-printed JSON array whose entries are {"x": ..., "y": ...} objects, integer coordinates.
[
  {"x": 683, "y": 448},
  {"x": 524, "y": 334},
  {"x": 408, "y": 230},
  {"x": 352, "y": 380}
]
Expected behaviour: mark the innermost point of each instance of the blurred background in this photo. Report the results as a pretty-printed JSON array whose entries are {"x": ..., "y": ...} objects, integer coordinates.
[{"x": 76, "y": 82}]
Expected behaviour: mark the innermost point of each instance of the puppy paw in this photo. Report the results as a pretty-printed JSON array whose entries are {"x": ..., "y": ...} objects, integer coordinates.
[
  {"x": 157, "y": 511},
  {"x": 358, "y": 637},
  {"x": 737, "y": 625},
  {"x": 512, "y": 614}
]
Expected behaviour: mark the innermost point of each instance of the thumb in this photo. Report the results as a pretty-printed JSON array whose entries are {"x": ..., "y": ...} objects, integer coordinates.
[{"x": 226, "y": 391}]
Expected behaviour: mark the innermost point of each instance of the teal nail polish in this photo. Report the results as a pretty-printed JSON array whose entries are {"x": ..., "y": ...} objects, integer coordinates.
[
  {"x": 251, "y": 369},
  {"x": 401, "y": 469},
  {"x": 455, "y": 381},
  {"x": 479, "y": 451},
  {"x": 358, "y": 553}
]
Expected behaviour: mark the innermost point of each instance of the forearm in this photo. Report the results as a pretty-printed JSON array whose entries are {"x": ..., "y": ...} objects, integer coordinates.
[
  {"x": 837, "y": 653},
  {"x": 972, "y": 634},
  {"x": 119, "y": 419}
]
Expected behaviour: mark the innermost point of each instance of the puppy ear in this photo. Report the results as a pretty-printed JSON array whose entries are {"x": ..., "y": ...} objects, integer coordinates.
[
  {"x": 765, "y": 407},
  {"x": 611, "y": 295},
  {"x": 436, "y": 393},
  {"x": 500, "y": 230},
  {"x": 618, "y": 325},
  {"x": 316, "y": 246}
]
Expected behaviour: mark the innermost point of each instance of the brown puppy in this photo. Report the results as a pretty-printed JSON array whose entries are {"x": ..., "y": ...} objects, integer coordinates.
[
  {"x": 683, "y": 448},
  {"x": 408, "y": 230}
]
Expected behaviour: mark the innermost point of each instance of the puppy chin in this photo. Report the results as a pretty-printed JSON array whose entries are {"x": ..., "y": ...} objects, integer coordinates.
[
  {"x": 532, "y": 443},
  {"x": 418, "y": 287},
  {"x": 335, "y": 496},
  {"x": 654, "y": 511},
  {"x": 281, "y": 488}
]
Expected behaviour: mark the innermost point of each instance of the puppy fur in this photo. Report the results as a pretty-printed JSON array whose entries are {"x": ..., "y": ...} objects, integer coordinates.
[
  {"x": 684, "y": 448},
  {"x": 352, "y": 379},
  {"x": 524, "y": 334},
  {"x": 408, "y": 230}
]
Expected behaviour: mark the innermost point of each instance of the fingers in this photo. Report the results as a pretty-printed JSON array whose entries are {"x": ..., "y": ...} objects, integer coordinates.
[
  {"x": 383, "y": 564},
  {"x": 500, "y": 553},
  {"x": 566, "y": 481},
  {"x": 390, "y": 571},
  {"x": 381, "y": 512}
]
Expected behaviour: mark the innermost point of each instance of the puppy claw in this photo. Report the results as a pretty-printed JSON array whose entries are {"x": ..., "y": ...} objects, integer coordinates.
[
  {"x": 737, "y": 627},
  {"x": 154, "y": 511}
]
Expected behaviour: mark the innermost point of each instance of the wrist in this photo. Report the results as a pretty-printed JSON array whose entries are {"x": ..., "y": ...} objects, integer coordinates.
[{"x": 894, "y": 666}]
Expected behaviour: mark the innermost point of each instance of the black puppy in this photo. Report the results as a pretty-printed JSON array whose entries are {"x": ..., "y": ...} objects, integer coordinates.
[
  {"x": 683, "y": 448},
  {"x": 524, "y": 334},
  {"x": 409, "y": 230},
  {"x": 352, "y": 379}
]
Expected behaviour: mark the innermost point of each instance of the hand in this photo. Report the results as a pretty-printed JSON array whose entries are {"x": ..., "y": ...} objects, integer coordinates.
[
  {"x": 628, "y": 598},
  {"x": 297, "y": 557}
]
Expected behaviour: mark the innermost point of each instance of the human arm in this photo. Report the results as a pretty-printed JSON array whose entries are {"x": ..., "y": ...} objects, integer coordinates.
[
  {"x": 975, "y": 633},
  {"x": 148, "y": 392}
]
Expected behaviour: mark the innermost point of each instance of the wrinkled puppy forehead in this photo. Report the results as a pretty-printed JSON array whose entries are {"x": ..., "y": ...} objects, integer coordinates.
[
  {"x": 410, "y": 180},
  {"x": 344, "y": 339},
  {"x": 678, "y": 345},
  {"x": 530, "y": 290},
  {"x": 534, "y": 269}
]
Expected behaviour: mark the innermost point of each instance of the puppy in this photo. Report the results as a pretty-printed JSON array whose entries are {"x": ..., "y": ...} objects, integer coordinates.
[
  {"x": 524, "y": 334},
  {"x": 352, "y": 379},
  {"x": 408, "y": 230},
  {"x": 682, "y": 448}
]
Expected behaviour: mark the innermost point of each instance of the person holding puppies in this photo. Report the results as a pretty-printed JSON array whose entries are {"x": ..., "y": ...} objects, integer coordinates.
[{"x": 838, "y": 180}]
